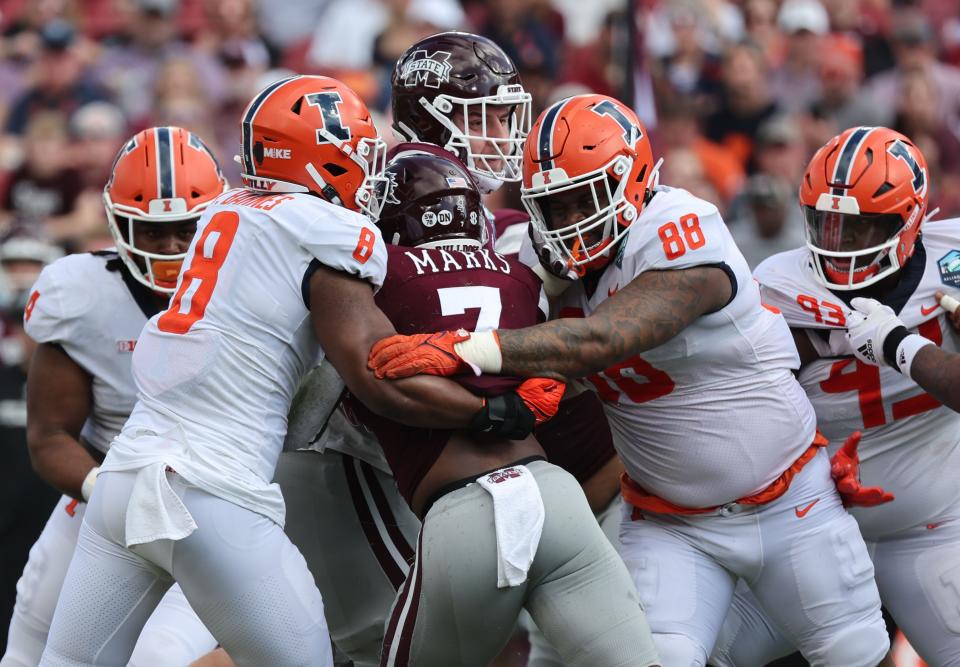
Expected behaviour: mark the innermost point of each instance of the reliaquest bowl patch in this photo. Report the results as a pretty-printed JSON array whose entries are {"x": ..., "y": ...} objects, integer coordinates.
[{"x": 949, "y": 266}]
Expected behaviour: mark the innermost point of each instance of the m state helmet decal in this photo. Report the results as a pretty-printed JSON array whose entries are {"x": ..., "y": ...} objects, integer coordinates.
[{"x": 430, "y": 70}]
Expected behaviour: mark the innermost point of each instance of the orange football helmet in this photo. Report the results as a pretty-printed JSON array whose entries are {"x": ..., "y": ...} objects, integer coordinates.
[
  {"x": 314, "y": 134},
  {"x": 587, "y": 168},
  {"x": 864, "y": 197},
  {"x": 162, "y": 174}
]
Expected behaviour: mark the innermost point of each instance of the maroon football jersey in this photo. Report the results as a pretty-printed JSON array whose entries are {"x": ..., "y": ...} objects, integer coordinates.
[
  {"x": 438, "y": 290},
  {"x": 578, "y": 438}
]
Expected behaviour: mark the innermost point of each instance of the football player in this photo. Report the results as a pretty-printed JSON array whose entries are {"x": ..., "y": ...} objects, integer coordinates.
[
  {"x": 502, "y": 528},
  {"x": 661, "y": 316},
  {"x": 438, "y": 82},
  {"x": 278, "y": 272},
  {"x": 864, "y": 196},
  {"x": 86, "y": 312}
]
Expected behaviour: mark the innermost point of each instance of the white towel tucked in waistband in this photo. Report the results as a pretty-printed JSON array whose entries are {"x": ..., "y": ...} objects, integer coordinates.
[
  {"x": 154, "y": 511},
  {"x": 518, "y": 518}
]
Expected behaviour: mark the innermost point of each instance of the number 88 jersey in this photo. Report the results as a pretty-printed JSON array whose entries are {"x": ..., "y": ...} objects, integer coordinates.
[
  {"x": 217, "y": 370},
  {"x": 713, "y": 414},
  {"x": 911, "y": 443}
]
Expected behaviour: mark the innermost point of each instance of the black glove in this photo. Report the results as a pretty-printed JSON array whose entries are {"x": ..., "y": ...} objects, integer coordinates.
[
  {"x": 506, "y": 416},
  {"x": 555, "y": 264}
]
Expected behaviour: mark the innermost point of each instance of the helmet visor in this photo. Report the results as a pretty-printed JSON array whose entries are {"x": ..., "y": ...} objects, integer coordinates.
[
  {"x": 852, "y": 248},
  {"x": 845, "y": 232}
]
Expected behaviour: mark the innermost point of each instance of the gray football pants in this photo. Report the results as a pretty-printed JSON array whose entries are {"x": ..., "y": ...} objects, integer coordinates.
[
  {"x": 357, "y": 535},
  {"x": 542, "y": 654},
  {"x": 450, "y": 611}
]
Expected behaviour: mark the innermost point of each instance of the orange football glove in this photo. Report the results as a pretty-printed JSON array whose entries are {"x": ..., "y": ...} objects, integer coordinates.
[
  {"x": 845, "y": 470},
  {"x": 542, "y": 396},
  {"x": 433, "y": 354}
]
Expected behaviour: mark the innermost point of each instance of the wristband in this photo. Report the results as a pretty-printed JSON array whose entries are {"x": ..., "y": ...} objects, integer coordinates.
[
  {"x": 506, "y": 416},
  {"x": 481, "y": 352},
  {"x": 907, "y": 350},
  {"x": 87, "y": 487}
]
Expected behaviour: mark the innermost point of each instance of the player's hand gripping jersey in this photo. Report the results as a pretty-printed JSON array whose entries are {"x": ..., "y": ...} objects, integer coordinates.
[
  {"x": 430, "y": 289},
  {"x": 216, "y": 372},
  {"x": 911, "y": 443},
  {"x": 751, "y": 419}
]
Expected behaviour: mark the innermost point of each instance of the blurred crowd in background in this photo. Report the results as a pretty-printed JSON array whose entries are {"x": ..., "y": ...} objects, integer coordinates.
[{"x": 737, "y": 95}]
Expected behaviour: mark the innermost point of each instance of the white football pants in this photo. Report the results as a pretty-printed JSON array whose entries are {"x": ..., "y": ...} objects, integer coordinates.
[
  {"x": 172, "y": 637},
  {"x": 245, "y": 579}
]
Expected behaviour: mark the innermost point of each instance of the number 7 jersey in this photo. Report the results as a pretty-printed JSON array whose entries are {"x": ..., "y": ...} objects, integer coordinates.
[
  {"x": 713, "y": 414},
  {"x": 216, "y": 371},
  {"x": 911, "y": 443}
]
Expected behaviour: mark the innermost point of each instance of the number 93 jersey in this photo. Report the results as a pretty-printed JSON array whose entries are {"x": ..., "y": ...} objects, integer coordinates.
[
  {"x": 216, "y": 372},
  {"x": 910, "y": 441},
  {"x": 713, "y": 414}
]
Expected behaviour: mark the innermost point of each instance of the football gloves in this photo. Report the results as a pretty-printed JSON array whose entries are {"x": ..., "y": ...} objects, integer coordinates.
[
  {"x": 879, "y": 338},
  {"x": 444, "y": 353},
  {"x": 845, "y": 470},
  {"x": 514, "y": 414}
]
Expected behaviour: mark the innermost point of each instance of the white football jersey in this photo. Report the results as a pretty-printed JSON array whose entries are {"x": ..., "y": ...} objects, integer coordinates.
[
  {"x": 714, "y": 414},
  {"x": 83, "y": 303},
  {"x": 911, "y": 443},
  {"x": 216, "y": 372}
]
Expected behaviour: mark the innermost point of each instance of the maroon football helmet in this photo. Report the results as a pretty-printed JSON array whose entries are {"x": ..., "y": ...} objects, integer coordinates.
[
  {"x": 431, "y": 202},
  {"x": 446, "y": 86}
]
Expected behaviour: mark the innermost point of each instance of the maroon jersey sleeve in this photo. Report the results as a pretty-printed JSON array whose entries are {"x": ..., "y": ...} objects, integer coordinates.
[
  {"x": 504, "y": 218},
  {"x": 435, "y": 290}
]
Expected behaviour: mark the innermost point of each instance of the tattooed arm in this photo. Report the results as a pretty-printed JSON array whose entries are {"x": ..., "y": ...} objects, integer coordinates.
[
  {"x": 653, "y": 308},
  {"x": 938, "y": 372}
]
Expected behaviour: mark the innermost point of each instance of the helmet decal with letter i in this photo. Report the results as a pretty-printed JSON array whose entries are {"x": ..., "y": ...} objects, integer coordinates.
[
  {"x": 314, "y": 134},
  {"x": 587, "y": 171},
  {"x": 864, "y": 197}
]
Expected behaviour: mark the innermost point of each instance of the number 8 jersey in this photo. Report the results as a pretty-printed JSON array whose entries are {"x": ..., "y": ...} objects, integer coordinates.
[
  {"x": 216, "y": 372},
  {"x": 714, "y": 414},
  {"x": 911, "y": 443}
]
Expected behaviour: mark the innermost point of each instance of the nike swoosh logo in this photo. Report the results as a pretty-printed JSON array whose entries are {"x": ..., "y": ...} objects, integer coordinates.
[
  {"x": 927, "y": 311},
  {"x": 611, "y": 292},
  {"x": 803, "y": 512}
]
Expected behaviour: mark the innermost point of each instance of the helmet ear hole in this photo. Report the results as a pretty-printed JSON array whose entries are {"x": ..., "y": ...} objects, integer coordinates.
[
  {"x": 334, "y": 169},
  {"x": 642, "y": 174}
]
